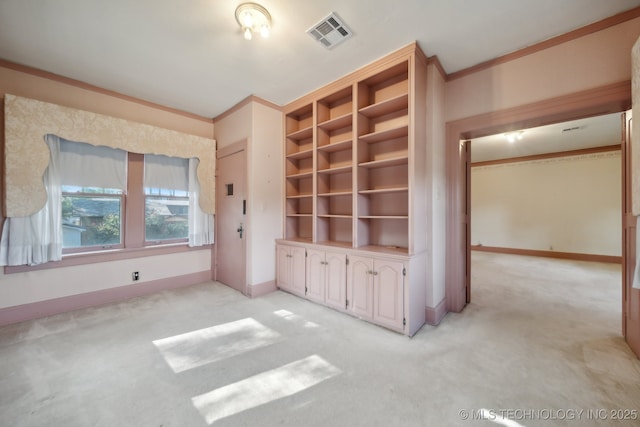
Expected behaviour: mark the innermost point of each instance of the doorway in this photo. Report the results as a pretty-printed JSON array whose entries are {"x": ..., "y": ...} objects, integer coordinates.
[
  {"x": 615, "y": 98},
  {"x": 231, "y": 228},
  {"x": 552, "y": 191}
]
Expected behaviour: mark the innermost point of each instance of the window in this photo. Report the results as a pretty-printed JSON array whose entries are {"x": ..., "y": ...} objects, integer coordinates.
[
  {"x": 103, "y": 188},
  {"x": 92, "y": 181},
  {"x": 96, "y": 199},
  {"x": 166, "y": 195}
]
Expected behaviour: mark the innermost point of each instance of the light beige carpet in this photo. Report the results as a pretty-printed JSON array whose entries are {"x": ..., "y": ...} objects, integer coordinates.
[{"x": 540, "y": 342}]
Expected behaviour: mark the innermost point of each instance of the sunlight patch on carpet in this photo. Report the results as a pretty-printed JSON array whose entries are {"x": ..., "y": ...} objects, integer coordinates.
[
  {"x": 197, "y": 348},
  {"x": 292, "y": 317},
  {"x": 264, "y": 388}
]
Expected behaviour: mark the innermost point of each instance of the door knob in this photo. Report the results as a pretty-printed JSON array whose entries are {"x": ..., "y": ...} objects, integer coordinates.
[{"x": 240, "y": 230}]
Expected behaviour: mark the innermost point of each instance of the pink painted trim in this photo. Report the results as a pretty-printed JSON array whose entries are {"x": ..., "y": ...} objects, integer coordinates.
[
  {"x": 255, "y": 291},
  {"x": 612, "y": 259},
  {"x": 433, "y": 315},
  {"x": 108, "y": 256},
  {"x": 50, "y": 307}
]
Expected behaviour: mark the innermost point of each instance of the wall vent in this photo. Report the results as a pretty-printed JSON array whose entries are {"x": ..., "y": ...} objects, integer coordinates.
[
  {"x": 574, "y": 128},
  {"x": 331, "y": 31}
]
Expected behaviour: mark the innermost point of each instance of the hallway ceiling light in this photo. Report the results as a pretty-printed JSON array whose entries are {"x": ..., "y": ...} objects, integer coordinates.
[
  {"x": 513, "y": 136},
  {"x": 253, "y": 18}
]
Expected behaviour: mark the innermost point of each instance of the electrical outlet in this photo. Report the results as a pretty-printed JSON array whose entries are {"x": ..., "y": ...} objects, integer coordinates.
[{"x": 135, "y": 275}]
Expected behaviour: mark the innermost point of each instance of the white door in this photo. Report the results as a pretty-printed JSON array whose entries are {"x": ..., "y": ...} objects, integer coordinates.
[{"x": 231, "y": 229}]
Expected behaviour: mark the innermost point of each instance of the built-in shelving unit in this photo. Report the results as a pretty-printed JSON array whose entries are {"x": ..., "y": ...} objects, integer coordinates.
[
  {"x": 299, "y": 158},
  {"x": 349, "y": 160},
  {"x": 351, "y": 152}
]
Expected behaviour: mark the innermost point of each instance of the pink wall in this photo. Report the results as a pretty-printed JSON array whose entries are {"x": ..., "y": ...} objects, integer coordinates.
[
  {"x": 436, "y": 220},
  {"x": 32, "y": 86},
  {"x": 599, "y": 61},
  {"x": 32, "y": 287},
  {"x": 260, "y": 124},
  {"x": 594, "y": 60}
]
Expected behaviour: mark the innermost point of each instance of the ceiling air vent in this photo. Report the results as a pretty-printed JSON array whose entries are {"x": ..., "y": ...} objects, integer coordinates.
[{"x": 331, "y": 31}]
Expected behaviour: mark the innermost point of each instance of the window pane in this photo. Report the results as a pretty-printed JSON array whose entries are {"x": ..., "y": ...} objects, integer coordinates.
[
  {"x": 89, "y": 220},
  {"x": 166, "y": 218},
  {"x": 150, "y": 191},
  {"x": 89, "y": 190}
]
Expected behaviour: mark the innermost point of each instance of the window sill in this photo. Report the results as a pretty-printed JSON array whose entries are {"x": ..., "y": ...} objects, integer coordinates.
[{"x": 70, "y": 260}]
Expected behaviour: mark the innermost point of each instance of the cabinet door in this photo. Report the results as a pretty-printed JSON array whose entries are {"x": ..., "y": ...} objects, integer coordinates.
[
  {"x": 388, "y": 294},
  {"x": 283, "y": 267},
  {"x": 297, "y": 265},
  {"x": 316, "y": 274},
  {"x": 336, "y": 280},
  {"x": 360, "y": 286}
]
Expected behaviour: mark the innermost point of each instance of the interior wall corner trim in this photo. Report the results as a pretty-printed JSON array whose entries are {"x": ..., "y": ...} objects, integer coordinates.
[
  {"x": 27, "y": 121},
  {"x": 635, "y": 151}
]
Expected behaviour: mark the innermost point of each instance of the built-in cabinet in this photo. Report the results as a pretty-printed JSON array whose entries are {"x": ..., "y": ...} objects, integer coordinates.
[
  {"x": 326, "y": 277},
  {"x": 368, "y": 287},
  {"x": 375, "y": 290},
  {"x": 354, "y": 154},
  {"x": 290, "y": 268}
]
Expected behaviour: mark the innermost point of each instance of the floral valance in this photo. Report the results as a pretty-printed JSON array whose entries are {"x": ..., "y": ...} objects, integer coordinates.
[{"x": 27, "y": 121}]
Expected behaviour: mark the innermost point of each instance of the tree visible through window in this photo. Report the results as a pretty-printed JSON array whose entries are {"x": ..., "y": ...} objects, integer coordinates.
[
  {"x": 166, "y": 214},
  {"x": 91, "y": 217}
]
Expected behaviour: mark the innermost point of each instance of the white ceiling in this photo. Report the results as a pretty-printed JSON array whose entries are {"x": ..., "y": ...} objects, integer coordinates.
[
  {"x": 590, "y": 132},
  {"x": 190, "y": 54}
]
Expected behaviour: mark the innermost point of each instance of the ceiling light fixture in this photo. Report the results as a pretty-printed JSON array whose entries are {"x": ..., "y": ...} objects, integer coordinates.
[
  {"x": 253, "y": 18},
  {"x": 513, "y": 136}
]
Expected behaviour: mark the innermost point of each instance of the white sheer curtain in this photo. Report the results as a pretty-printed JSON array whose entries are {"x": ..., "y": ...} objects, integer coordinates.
[
  {"x": 37, "y": 239},
  {"x": 200, "y": 224}
]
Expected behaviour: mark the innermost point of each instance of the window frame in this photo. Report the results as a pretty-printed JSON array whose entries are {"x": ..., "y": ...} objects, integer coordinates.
[{"x": 123, "y": 219}]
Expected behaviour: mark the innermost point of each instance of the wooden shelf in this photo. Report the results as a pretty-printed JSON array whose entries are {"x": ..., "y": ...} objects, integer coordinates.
[
  {"x": 397, "y": 103},
  {"x": 384, "y": 190},
  {"x": 403, "y": 160},
  {"x": 353, "y": 146},
  {"x": 383, "y": 217},
  {"x": 385, "y": 134},
  {"x": 337, "y": 122},
  {"x": 301, "y": 154},
  {"x": 340, "y": 169},
  {"x": 337, "y": 193},
  {"x": 384, "y": 249},
  {"x": 300, "y": 175},
  {"x": 336, "y": 146},
  {"x": 336, "y": 243},
  {"x": 300, "y": 196},
  {"x": 301, "y": 134}
]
